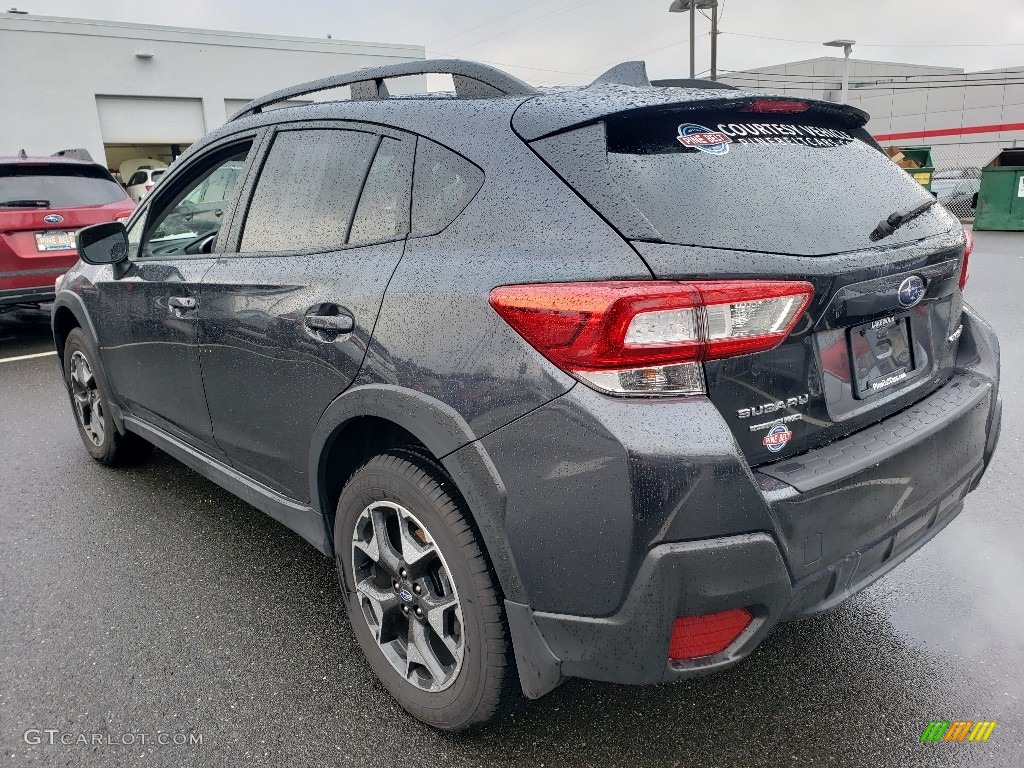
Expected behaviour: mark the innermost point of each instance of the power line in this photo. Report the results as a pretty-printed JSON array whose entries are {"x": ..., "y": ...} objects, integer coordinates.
[
  {"x": 486, "y": 23},
  {"x": 943, "y": 77},
  {"x": 570, "y": 7},
  {"x": 877, "y": 45}
]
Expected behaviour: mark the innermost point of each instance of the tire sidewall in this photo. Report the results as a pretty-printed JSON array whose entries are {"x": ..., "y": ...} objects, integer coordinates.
[
  {"x": 459, "y": 701},
  {"x": 77, "y": 342}
]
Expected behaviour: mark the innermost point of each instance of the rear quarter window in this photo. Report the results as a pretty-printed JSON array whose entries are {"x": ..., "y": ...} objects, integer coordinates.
[{"x": 445, "y": 183}]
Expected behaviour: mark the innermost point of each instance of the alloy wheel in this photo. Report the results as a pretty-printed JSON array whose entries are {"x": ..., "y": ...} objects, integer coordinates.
[
  {"x": 407, "y": 596},
  {"x": 86, "y": 398}
]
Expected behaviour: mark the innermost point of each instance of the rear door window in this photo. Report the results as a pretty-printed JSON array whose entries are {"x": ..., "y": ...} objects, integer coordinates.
[
  {"x": 56, "y": 186},
  {"x": 383, "y": 212},
  {"x": 307, "y": 191},
  {"x": 768, "y": 183},
  {"x": 445, "y": 183}
]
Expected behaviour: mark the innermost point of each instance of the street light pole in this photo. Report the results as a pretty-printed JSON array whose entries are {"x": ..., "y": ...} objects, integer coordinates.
[
  {"x": 693, "y": 40},
  {"x": 847, "y": 46},
  {"x": 714, "y": 41},
  {"x": 679, "y": 6}
]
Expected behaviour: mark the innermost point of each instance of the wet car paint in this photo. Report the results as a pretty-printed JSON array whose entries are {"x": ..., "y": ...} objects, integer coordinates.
[{"x": 179, "y": 607}]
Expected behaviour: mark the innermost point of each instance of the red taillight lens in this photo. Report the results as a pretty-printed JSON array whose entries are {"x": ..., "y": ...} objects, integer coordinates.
[
  {"x": 647, "y": 337},
  {"x": 149, "y": 187},
  {"x": 696, "y": 636},
  {"x": 965, "y": 271},
  {"x": 777, "y": 106},
  {"x": 123, "y": 216}
]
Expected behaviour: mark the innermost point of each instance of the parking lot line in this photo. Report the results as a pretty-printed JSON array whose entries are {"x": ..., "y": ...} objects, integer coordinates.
[{"x": 26, "y": 357}]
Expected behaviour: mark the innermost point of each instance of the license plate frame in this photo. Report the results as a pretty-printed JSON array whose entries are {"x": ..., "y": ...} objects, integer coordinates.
[
  {"x": 63, "y": 240},
  {"x": 881, "y": 354}
]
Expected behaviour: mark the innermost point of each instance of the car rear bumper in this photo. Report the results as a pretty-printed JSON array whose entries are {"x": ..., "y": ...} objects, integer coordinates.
[
  {"x": 27, "y": 295},
  {"x": 850, "y": 513}
]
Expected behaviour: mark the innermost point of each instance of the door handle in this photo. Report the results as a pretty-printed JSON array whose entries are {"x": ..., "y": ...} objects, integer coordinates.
[
  {"x": 331, "y": 323},
  {"x": 181, "y": 302}
]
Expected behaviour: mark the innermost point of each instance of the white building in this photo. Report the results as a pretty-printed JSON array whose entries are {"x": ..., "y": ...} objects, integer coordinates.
[
  {"x": 133, "y": 90},
  {"x": 966, "y": 118}
]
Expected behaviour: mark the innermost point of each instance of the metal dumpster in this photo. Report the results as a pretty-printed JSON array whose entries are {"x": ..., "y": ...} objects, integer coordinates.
[
  {"x": 917, "y": 161},
  {"x": 1001, "y": 197}
]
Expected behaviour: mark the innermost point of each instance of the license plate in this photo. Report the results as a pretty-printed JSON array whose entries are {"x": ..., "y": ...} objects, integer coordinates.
[
  {"x": 882, "y": 354},
  {"x": 55, "y": 241}
]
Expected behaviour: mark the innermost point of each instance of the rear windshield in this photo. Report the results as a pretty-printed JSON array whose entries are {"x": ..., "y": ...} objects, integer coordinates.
[
  {"x": 156, "y": 175},
  {"x": 769, "y": 183},
  {"x": 56, "y": 186}
]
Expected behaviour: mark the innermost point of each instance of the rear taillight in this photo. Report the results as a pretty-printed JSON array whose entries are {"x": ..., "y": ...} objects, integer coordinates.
[
  {"x": 777, "y": 106},
  {"x": 150, "y": 187},
  {"x": 649, "y": 337},
  {"x": 123, "y": 216},
  {"x": 965, "y": 271},
  {"x": 696, "y": 636}
]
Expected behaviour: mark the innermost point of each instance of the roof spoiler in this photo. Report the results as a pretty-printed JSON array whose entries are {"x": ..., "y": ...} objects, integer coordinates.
[
  {"x": 634, "y": 73},
  {"x": 711, "y": 85},
  {"x": 75, "y": 154}
]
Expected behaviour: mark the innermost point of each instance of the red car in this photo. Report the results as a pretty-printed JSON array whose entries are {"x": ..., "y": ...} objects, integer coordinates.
[{"x": 44, "y": 201}]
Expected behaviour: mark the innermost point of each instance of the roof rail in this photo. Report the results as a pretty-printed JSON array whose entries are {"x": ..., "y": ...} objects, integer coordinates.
[
  {"x": 472, "y": 81},
  {"x": 711, "y": 85}
]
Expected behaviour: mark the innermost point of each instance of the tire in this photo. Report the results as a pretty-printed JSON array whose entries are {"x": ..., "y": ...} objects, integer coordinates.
[
  {"x": 471, "y": 679},
  {"x": 90, "y": 403}
]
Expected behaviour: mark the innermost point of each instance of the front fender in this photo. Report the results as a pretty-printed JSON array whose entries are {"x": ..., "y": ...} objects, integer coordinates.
[{"x": 73, "y": 303}]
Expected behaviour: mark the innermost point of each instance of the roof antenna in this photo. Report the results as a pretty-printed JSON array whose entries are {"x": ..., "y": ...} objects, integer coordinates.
[
  {"x": 627, "y": 73},
  {"x": 21, "y": 153}
]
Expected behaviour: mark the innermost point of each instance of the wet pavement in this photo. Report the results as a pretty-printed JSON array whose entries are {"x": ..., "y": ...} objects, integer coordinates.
[{"x": 148, "y": 601}]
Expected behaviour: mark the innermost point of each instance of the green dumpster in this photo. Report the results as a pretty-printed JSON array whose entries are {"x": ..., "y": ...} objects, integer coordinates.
[
  {"x": 1001, "y": 197},
  {"x": 923, "y": 157}
]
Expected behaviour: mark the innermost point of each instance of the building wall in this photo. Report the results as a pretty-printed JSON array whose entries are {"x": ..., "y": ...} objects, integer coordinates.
[
  {"x": 54, "y": 70},
  {"x": 965, "y": 117}
]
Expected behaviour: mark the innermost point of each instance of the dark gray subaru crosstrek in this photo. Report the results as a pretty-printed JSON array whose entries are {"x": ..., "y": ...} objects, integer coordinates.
[{"x": 601, "y": 382}]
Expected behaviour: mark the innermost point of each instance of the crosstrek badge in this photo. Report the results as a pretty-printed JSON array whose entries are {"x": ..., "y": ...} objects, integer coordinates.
[
  {"x": 777, "y": 437},
  {"x": 706, "y": 140}
]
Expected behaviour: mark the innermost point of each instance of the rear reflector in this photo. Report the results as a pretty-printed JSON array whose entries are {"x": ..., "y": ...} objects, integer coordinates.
[
  {"x": 777, "y": 106},
  {"x": 696, "y": 636},
  {"x": 649, "y": 337},
  {"x": 965, "y": 270}
]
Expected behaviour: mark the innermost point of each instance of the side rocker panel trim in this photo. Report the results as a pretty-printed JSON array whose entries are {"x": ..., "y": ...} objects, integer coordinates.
[{"x": 306, "y": 522}]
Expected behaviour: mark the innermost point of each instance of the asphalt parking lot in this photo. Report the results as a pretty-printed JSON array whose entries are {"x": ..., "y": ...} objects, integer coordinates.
[{"x": 148, "y": 601}]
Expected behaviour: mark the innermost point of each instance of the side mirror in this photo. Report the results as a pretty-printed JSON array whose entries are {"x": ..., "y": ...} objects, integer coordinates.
[{"x": 105, "y": 243}]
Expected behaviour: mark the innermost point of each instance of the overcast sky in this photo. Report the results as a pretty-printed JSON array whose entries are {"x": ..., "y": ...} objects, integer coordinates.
[{"x": 571, "y": 41}]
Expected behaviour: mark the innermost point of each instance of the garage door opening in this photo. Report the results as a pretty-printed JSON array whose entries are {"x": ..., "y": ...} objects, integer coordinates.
[{"x": 157, "y": 155}]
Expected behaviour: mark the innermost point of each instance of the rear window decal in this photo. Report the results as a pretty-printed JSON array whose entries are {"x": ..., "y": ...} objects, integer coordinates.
[
  {"x": 781, "y": 133},
  {"x": 695, "y": 136}
]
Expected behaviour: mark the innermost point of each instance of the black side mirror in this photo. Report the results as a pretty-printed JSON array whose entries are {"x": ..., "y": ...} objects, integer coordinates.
[{"x": 103, "y": 243}]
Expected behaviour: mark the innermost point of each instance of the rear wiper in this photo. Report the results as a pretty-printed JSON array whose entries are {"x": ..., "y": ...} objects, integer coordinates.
[
  {"x": 25, "y": 204},
  {"x": 897, "y": 220}
]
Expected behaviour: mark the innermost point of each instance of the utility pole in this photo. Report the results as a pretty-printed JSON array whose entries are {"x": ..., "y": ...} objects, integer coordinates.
[
  {"x": 681, "y": 6},
  {"x": 714, "y": 41},
  {"x": 693, "y": 39}
]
